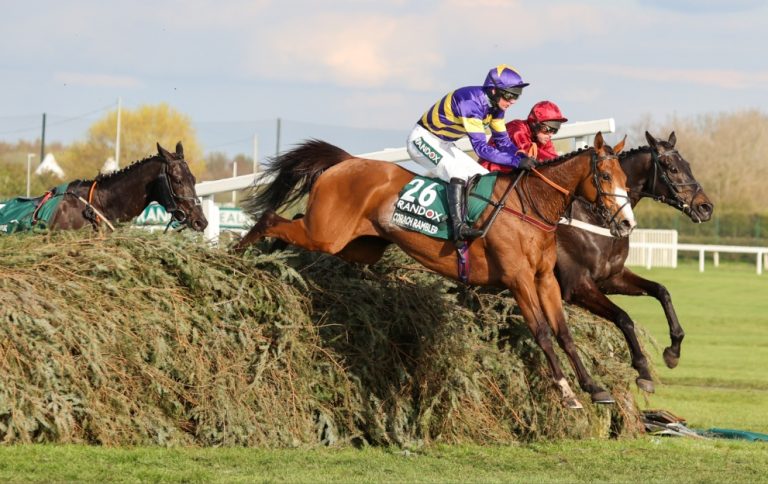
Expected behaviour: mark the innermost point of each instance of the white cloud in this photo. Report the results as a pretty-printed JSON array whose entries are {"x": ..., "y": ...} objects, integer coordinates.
[
  {"x": 705, "y": 6},
  {"x": 722, "y": 78},
  {"x": 364, "y": 50},
  {"x": 96, "y": 80}
]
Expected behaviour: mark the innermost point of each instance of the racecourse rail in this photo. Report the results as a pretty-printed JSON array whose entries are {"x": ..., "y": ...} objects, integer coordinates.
[
  {"x": 580, "y": 132},
  {"x": 649, "y": 248}
]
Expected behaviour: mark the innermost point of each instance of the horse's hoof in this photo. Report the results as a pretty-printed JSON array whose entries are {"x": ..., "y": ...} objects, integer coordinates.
[
  {"x": 572, "y": 402},
  {"x": 645, "y": 385},
  {"x": 602, "y": 397},
  {"x": 670, "y": 358}
]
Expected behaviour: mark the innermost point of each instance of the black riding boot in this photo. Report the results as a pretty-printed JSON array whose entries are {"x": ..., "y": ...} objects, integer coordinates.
[{"x": 457, "y": 208}]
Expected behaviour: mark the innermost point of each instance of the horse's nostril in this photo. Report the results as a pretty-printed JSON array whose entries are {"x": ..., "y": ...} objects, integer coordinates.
[
  {"x": 705, "y": 208},
  {"x": 199, "y": 225}
]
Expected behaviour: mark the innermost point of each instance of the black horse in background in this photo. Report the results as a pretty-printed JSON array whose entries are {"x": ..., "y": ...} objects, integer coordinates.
[
  {"x": 591, "y": 265},
  {"x": 123, "y": 195}
]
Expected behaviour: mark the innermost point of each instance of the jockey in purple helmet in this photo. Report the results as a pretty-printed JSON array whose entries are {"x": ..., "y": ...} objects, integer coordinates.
[{"x": 467, "y": 111}]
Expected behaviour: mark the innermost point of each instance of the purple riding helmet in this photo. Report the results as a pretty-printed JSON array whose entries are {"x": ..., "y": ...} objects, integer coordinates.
[{"x": 506, "y": 81}]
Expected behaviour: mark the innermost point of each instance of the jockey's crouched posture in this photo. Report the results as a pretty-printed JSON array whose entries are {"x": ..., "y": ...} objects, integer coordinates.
[{"x": 466, "y": 112}]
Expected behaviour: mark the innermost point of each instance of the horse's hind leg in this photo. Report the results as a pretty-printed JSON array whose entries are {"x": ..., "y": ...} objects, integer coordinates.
[
  {"x": 588, "y": 296},
  {"x": 325, "y": 237},
  {"x": 278, "y": 244},
  {"x": 631, "y": 284},
  {"x": 257, "y": 231},
  {"x": 364, "y": 250}
]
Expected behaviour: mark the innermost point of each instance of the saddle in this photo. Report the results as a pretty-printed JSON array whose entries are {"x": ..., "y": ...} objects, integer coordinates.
[
  {"x": 422, "y": 205},
  {"x": 25, "y": 213}
]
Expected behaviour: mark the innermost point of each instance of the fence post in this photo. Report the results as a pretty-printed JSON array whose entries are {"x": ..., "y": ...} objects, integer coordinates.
[
  {"x": 211, "y": 212},
  {"x": 701, "y": 260}
]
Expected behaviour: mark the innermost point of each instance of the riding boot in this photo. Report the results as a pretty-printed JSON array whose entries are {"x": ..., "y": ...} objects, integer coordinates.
[{"x": 457, "y": 208}]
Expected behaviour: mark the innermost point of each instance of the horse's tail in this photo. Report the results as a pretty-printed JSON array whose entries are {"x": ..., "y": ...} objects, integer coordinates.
[{"x": 293, "y": 173}]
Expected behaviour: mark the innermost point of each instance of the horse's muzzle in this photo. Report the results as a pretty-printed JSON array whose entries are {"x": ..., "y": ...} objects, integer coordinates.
[
  {"x": 198, "y": 225},
  {"x": 623, "y": 228}
]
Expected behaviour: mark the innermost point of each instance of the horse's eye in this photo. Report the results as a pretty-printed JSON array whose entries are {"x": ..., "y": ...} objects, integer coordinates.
[
  {"x": 673, "y": 169},
  {"x": 605, "y": 176}
]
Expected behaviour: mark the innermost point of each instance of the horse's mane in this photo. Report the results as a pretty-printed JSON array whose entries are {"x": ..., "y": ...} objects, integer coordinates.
[
  {"x": 565, "y": 157},
  {"x": 633, "y": 151},
  {"x": 556, "y": 161},
  {"x": 108, "y": 176}
]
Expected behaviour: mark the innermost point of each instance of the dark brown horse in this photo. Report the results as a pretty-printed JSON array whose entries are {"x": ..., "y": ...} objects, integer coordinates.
[
  {"x": 590, "y": 265},
  {"x": 349, "y": 214},
  {"x": 123, "y": 195}
]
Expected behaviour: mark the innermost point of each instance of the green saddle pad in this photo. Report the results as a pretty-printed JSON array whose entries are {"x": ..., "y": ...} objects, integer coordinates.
[
  {"x": 422, "y": 205},
  {"x": 16, "y": 214}
]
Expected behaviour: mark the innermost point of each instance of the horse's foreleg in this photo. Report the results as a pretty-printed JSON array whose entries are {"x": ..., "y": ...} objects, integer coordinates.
[
  {"x": 629, "y": 283},
  {"x": 587, "y": 295},
  {"x": 549, "y": 294},
  {"x": 528, "y": 302}
]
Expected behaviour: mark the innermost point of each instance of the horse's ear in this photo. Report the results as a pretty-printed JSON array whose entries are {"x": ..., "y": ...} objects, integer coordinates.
[
  {"x": 163, "y": 152},
  {"x": 619, "y": 146},
  {"x": 672, "y": 140},
  {"x": 599, "y": 142},
  {"x": 179, "y": 150},
  {"x": 651, "y": 140}
]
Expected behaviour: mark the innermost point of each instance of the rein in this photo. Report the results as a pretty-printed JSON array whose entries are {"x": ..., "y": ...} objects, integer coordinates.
[{"x": 501, "y": 205}]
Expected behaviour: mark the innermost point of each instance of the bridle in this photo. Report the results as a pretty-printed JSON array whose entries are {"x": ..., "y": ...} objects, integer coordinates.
[
  {"x": 674, "y": 187},
  {"x": 169, "y": 199},
  {"x": 544, "y": 224},
  {"x": 600, "y": 208}
]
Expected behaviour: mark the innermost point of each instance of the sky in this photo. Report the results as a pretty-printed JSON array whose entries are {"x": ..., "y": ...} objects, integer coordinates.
[{"x": 359, "y": 73}]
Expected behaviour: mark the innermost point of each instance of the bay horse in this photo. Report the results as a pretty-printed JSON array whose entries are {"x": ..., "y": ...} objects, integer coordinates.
[
  {"x": 591, "y": 265},
  {"x": 349, "y": 214},
  {"x": 123, "y": 195}
]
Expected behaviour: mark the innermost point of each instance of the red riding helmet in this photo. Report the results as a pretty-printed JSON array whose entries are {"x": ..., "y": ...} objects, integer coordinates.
[{"x": 546, "y": 112}]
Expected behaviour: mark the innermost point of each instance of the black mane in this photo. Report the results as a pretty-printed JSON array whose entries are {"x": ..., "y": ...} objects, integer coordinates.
[
  {"x": 639, "y": 149},
  {"x": 107, "y": 176}
]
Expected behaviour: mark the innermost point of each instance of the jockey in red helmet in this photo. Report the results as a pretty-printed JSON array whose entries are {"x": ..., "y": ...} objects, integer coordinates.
[
  {"x": 543, "y": 122},
  {"x": 467, "y": 111}
]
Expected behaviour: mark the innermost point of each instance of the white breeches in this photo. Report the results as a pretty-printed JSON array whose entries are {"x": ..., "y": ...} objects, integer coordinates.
[{"x": 441, "y": 159}]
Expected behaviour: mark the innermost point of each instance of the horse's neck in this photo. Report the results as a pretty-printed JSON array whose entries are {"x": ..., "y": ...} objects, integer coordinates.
[
  {"x": 638, "y": 167},
  {"x": 567, "y": 174},
  {"x": 124, "y": 196}
]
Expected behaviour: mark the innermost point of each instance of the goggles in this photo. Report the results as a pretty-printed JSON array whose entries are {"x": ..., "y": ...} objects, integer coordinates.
[{"x": 509, "y": 96}]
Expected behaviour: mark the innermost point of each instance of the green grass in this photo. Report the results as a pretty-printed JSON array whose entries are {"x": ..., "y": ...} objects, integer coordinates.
[
  {"x": 721, "y": 380},
  {"x": 650, "y": 459}
]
